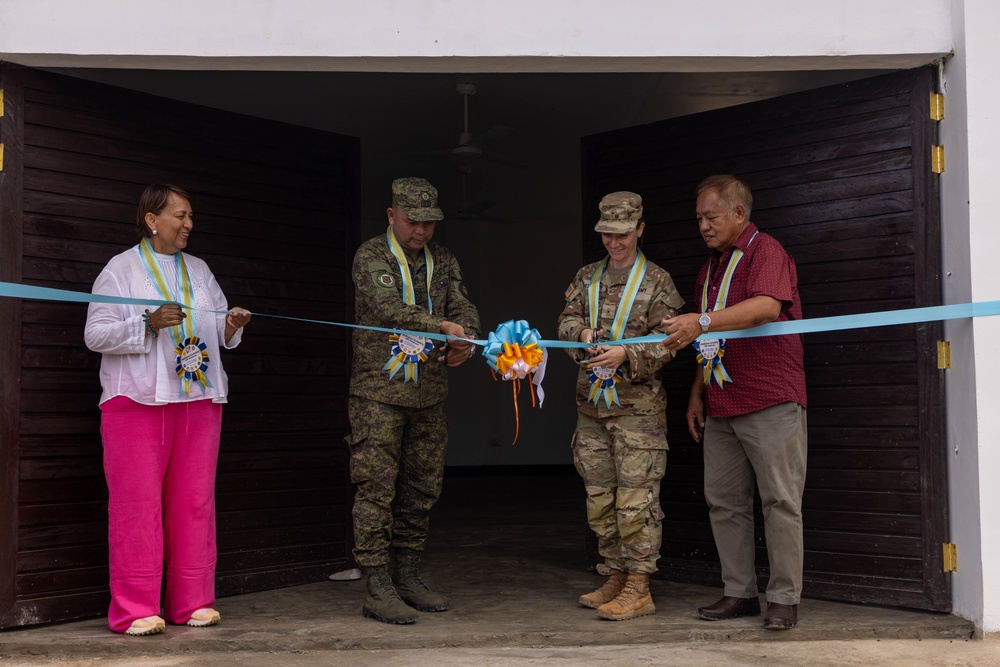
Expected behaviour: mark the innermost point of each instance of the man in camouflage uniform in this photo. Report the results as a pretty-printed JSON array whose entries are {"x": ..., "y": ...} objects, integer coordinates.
[
  {"x": 399, "y": 430},
  {"x": 620, "y": 449}
]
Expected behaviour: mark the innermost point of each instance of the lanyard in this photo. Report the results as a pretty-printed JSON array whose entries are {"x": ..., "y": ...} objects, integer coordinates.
[
  {"x": 187, "y": 327},
  {"x": 727, "y": 279},
  {"x": 404, "y": 270},
  {"x": 635, "y": 277}
]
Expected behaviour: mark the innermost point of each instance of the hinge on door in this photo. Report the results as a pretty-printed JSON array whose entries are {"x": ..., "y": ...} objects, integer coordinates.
[
  {"x": 937, "y": 106},
  {"x": 937, "y": 159},
  {"x": 1, "y": 157},
  {"x": 944, "y": 355},
  {"x": 950, "y": 557},
  {"x": 1, "y": 102}
]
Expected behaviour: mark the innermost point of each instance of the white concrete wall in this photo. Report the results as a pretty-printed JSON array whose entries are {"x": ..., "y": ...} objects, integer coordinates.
[
  {"x": 316, "y": 34},
  {"x": 971, "y": 138}
]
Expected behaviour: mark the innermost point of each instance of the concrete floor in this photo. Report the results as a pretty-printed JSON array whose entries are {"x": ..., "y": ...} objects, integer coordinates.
[{"x": 513, "y": 569}]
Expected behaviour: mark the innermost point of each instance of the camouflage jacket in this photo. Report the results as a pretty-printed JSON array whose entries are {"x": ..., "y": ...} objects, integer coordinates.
[
  {"x": 379, "y": 302},
  {"x": 640, "y": 391}
]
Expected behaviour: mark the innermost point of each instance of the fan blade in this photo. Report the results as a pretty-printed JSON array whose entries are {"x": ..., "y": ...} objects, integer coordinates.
[
  {"x": 444, "y": 151},
  {"x": 495, "y": 132},
  {"x": 505, "y": 161}
]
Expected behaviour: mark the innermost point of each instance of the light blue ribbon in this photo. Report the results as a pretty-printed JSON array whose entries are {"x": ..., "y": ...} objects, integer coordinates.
[{"x": 883, "y": 318}]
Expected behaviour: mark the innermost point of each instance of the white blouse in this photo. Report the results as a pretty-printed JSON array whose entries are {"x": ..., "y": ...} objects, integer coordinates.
[{"x": 137, "y": 365}]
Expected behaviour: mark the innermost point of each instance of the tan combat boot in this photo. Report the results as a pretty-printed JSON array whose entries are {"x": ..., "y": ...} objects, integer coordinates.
[
  {"x": 634, "y": 600},
  {"x": 606, "y": 593}
]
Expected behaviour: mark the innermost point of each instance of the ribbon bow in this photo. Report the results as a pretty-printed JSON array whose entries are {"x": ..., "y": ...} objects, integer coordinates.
[{"x": 514, "y": 352}]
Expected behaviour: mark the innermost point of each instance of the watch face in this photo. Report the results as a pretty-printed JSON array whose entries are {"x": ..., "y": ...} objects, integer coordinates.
[{"x": 704, "y": 320}]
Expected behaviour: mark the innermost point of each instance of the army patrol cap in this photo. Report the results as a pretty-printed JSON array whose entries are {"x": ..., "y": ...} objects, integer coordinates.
[
  {"x": 620, "y": 213},
  {"x": 417, "y": 199}
]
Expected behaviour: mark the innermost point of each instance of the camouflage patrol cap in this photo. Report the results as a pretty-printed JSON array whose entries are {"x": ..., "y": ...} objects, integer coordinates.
[
  {"x": 620, "y": 213},
  {"x": 416, "y": 198}
]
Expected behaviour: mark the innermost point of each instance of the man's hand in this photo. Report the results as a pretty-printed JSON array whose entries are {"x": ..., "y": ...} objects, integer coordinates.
[
  {"x": 455, "y": 352},
  {"x": 696, "y": 416},
  {"x": 681, "y": 331}
]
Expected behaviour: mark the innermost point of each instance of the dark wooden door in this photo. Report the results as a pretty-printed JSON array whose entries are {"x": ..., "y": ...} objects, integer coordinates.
[
  {"x": 842, "y": 177},
  {"x": 273, "y": 204}
]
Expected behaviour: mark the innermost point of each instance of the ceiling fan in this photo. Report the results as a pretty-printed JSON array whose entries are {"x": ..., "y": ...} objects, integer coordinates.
[{"x": 469, "y": 150}]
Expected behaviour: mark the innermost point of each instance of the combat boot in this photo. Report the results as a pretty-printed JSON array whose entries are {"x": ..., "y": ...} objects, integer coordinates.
[
  {"x": 382, "y": 602},
  {"x": 606, "y": 593},
  {"x": 410, "y": 587},
  {"x": 634, "y": 600}
]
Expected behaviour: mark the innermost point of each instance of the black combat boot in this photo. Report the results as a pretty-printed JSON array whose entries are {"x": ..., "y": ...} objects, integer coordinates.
[
  {"x": 382, "y": 602},
  {"x": 410, "y": 587}
]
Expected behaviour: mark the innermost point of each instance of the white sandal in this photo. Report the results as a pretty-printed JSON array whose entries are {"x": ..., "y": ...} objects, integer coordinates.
[
  {"x": 202, "y": 618},
  {"x": 150, "y": 625}
]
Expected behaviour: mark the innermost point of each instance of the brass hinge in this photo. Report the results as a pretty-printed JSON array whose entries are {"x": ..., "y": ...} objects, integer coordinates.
[
  {"x": 937, "y": 159},
  {"x": 950, "y": 557},
  {"x": 1, "y": 157},
  {"x": 937, "y": 106},
  {"x": 944, "y": 355},
  {"x": 1, "y": 102}
]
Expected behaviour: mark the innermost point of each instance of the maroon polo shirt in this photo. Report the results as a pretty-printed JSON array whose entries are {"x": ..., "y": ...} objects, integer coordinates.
[{"x": 765, "y": 370}]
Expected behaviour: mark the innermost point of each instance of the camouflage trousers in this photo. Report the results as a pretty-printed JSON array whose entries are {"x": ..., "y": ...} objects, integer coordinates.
[
  {"x": 397, "y": 465},
  {"x": 621, "y": 461}
]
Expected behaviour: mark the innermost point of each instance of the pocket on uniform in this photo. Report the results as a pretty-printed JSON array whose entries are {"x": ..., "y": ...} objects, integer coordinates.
[{"x": 356, "y": 437}]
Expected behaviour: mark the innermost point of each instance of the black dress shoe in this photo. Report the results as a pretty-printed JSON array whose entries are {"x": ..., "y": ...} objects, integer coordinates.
[
  {"x": 781, "y": 616},
  {"x": 730, "y": 607}
]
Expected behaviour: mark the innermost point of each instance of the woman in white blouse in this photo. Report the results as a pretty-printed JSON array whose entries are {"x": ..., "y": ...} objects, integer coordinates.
[{"x": 161, "y": 414}]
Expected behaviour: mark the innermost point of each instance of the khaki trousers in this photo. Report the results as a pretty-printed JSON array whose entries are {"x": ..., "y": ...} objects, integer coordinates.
[{"x": 768, "y": 444}]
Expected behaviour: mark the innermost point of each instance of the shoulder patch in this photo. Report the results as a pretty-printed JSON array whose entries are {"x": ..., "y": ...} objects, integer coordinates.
[
  {"x": 569, "y": 291},
  {"x": 386, "y": 280}
]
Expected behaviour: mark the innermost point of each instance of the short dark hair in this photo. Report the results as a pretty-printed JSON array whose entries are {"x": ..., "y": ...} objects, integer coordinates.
[
  {"x": 153, "y": 200},
  {"x": 730, "y": 189}
]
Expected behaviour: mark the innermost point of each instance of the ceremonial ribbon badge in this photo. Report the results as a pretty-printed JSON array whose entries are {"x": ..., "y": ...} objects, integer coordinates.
[
  {"x": 711, "y": 352},
  {"x": 603, "y": 381},
  {"x": 408, "y": 350},
  {"x": 191, "y": 361},
  {"x": 514, "y": 352},
  {"x": 407, "y": 353}
]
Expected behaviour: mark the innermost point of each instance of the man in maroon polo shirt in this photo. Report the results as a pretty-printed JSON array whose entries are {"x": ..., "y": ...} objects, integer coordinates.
[{"x": 748, "y": 403}]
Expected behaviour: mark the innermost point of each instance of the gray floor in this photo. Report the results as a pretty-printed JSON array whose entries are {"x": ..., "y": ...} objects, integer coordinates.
[{"x": 509, "y": 553}]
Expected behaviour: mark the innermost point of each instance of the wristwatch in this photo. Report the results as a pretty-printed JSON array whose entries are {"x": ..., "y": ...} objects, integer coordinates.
[{"x": 705, "y": 321}]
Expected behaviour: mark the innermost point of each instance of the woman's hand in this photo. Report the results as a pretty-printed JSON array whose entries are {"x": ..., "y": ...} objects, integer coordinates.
[
  {"x": 235, "y": 320},
  {"x": 169, "y": 315},
  {"x": 238, "y": 318},
  {"x": 607, "y": 356}
]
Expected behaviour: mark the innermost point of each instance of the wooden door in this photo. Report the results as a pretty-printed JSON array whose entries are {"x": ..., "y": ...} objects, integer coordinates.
[
  {"x": 842, "y": 177},
  {"x": 273, "y": 205}
]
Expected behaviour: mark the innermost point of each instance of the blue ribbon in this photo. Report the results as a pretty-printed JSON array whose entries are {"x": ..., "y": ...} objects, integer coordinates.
[{"x": 838, "y": 323}]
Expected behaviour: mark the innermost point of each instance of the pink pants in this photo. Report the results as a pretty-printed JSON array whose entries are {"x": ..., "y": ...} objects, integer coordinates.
[{"x": 160, "y": 463}]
